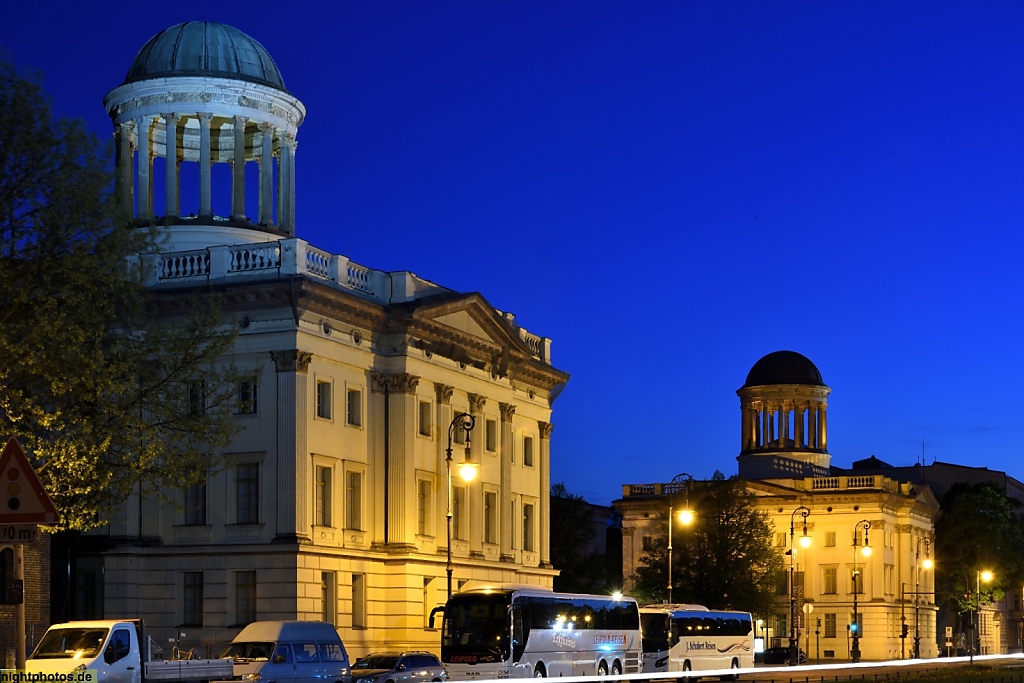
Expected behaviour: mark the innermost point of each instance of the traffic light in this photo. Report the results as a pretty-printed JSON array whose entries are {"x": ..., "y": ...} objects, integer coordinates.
[
  {"x": 906, "y": 630},
  {"x": 853, "y": 628}
]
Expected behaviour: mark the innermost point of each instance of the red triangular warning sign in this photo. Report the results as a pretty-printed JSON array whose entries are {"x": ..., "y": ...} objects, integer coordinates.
[{"x": 22, "y": 498}]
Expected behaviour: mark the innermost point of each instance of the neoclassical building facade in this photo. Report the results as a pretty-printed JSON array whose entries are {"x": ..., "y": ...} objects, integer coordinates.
[
  {"x": 333, "y": 503},
  {"x": 785, "y": 461}
]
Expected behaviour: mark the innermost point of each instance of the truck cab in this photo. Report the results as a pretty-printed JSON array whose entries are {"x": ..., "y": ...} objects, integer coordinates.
[{"x": 111, "y": 648}]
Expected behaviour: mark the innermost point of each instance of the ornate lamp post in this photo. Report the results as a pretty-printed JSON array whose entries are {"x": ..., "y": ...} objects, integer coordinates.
[
  {"x": 855, "y": 626},
  {"x": 467, "y": 470},
  {"x": 805, "y": 542},
  {"x": 917, "y": 590},
  {"x": 986, "y": 576},
  {"x": 685, "y": 518}
]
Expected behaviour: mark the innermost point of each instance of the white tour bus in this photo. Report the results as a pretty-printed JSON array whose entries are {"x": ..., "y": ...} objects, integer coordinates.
[
  {"x": 526, "y": 631},
  {"x": 694, "y": 638}
]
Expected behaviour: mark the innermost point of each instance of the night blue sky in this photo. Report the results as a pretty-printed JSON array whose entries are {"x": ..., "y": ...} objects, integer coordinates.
[{"x": 669, "y": 190}]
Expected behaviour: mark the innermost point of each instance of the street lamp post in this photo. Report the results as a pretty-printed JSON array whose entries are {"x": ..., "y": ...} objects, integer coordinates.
[
  {"x": 805, "y": 541},
  {"x": 917, "y": 590},
  {"x": 855, "y": 627},
  {"x": 685, "y": 518},
  {"x": 986, "y": 576},
  {"x": 467, "y": 470}
]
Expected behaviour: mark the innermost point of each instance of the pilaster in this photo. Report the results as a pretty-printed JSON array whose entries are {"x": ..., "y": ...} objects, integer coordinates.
[
  {"x": 506, "y": 450},
  {"x": 293, "y": 482}
]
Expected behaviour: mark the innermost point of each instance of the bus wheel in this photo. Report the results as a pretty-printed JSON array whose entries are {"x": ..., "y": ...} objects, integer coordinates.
[
  {"x": 616, "y": 669},
  {"x": 602, "y": 669},
  {"x": 539, "y": 672},
  {"x": 686, "y": 668},
  {"x": 733, "y": 677}
]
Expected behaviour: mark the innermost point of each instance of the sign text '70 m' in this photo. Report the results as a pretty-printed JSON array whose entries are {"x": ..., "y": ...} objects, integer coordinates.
[{"x": 17, "y": 533}]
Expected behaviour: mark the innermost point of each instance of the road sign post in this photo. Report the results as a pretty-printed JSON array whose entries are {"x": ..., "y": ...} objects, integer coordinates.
[{"x": 23, "y": 505}]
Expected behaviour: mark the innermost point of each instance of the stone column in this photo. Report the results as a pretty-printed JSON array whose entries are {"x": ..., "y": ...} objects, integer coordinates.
[
  {"x": 171, "y": 170},
  {"x": 294, "y": 484},
  {"x": 125, "y": 177},
  {"x": 267, "y": 175},
  {"x": 292, "y": 146},
  {"x": 824, "y": 430},
  {"x": 545, "y": 493},
  {"x": 145, "y": 211},
  {"x": 238, "y": 169},
  {"x": 798, "y": 437},
  {"x": 444, "y": 420},
  {"x": 401, "y": 481},
  {"x": 766, "y": 430},
  {"x": 205, "y": 165},
  {"x": 284, "y": 184},
  {"x": 474, "y": 488},
  {"x": 505, "y": 456}
]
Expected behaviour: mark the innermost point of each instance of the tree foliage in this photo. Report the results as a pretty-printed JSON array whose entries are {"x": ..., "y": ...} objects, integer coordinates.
[
  {"x": 723, "y": 560},
  {"x": 583, "y": 568},
  {"x": 980, "y": 529},
  {"x": 94, "y": 383}
]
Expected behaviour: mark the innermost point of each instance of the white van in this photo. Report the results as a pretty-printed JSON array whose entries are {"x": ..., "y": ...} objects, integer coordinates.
[{"x": 284, "y": 651}]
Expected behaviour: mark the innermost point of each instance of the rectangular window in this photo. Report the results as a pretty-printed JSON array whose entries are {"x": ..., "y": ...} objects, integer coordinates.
[
  {"x": 491, "y": 436},
  {"x": 323, "y": 496},
  {"x": 428, "y": 601},
  {"x": 459, "y": 433},
  {"x": 781, "y": 623},
  {"x": 323, "y": 399},
  {"x": 248, "y": 397},
  {"x": 425, "y": 418},
  {"x": 830, "y": 625},
  {"x": 422, "y": 506},
  {"x": 830, "y": 539},
  {"x": 245, "y": 598},
  {"x": 829, "y": 585},
  {"x": 192, "y": 599},
  {"x": 888, "y": 572},
  {"x": 459, "y": 512},
  {"x": 528, "y": 528},
  {"x": 354, "y": 407},
  {"x": 527, "y": 451},
  {"x": 647, "y": 543},
  {"x": 197, "y": 398},
  {"x": 327, "y": 600},
  {"x": 359, "y": 601},
  {"x": 857, "y": 581},
  {"x": 490, "y": 517},
  {"x": 780, "y": 539},
  {"x": 195, "y": 505},
  {"x": 247, "y": 493},
  {"x": 353, "y": 500}
]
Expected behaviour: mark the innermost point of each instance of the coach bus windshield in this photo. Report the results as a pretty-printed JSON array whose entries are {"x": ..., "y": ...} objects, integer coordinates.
[{"x": 476, "y": 629}]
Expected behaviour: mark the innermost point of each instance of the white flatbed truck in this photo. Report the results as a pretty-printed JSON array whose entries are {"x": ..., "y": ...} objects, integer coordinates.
[{"x": 118, "y": 651}]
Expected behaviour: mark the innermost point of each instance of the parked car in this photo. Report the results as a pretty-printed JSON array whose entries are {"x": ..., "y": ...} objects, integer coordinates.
[
  {"x": 780, "y": 655},
  {"x": 399, "y": 667}
]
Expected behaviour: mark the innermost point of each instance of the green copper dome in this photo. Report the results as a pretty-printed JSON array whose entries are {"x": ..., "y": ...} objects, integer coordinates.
[{"x": 205, "y": 48}]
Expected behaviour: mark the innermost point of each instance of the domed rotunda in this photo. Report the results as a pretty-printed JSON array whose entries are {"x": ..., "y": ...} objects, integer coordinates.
[
  {"x": 206, "y": 94},
  {"x": 783, "y": 404}
]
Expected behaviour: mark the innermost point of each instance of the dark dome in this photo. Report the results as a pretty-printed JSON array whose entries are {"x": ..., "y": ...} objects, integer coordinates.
[
  {"x": 205, "y": 48},
  {"x": 783, "y": 367}
]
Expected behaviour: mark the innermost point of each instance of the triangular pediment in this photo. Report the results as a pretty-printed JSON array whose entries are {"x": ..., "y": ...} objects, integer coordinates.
[
  {"x": 467, "y": 316},
  {"x": 464, "y": 322}
]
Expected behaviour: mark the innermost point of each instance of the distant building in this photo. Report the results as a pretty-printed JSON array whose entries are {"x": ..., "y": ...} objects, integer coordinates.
[
  {"x": 785, "y": 459},
  {"x": 333, "y": 503}
]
